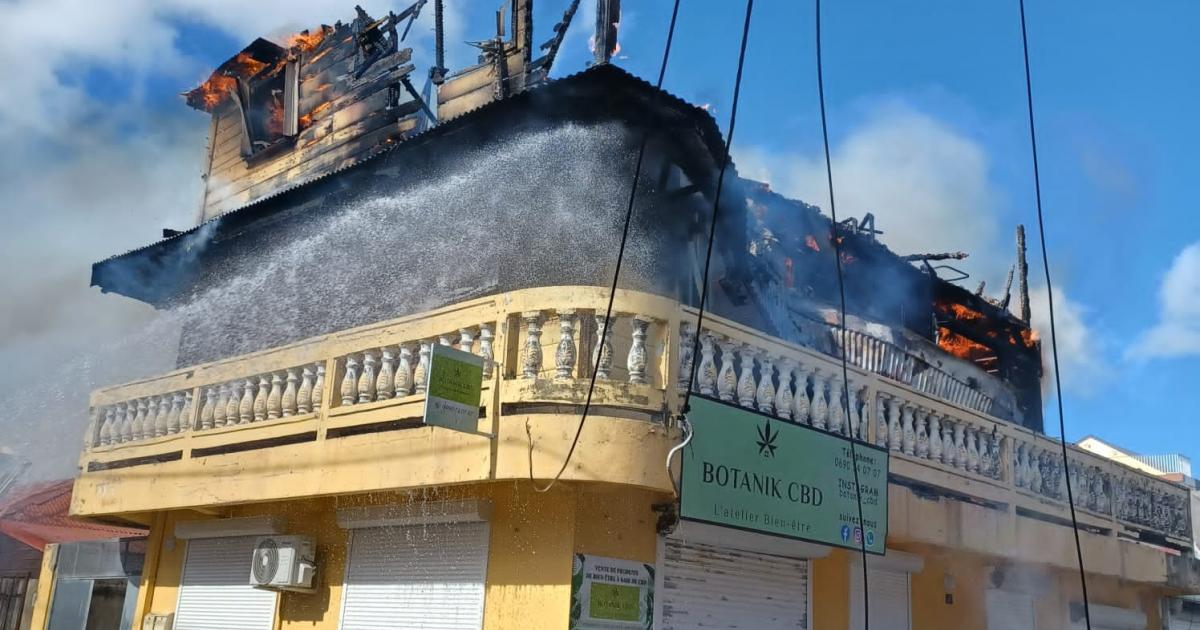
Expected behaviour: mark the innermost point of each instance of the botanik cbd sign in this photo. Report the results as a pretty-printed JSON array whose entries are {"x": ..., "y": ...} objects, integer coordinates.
[{"x": 751, "y": 471}]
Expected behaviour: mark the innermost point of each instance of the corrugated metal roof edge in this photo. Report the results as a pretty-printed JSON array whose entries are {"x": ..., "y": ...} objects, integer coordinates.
[{"x": 594, "y": 71}]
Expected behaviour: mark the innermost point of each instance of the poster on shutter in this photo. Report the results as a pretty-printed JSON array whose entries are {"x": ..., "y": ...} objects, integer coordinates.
[
  {"x": 611, "y": 593},
  {"x": 452, "y": 396},
  {"x": 751, "y": 471}
]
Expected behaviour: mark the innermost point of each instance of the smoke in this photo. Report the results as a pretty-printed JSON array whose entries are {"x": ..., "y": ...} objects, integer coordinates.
[
  {"x": 930, "y": 188},
  {"x": 1177, "y": 332}
]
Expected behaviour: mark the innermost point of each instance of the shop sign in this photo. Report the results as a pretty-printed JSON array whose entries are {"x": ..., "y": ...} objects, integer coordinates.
[
  {"x": 452, "y": 394},
  {"x": 611, "y": 593},
  {"x": 751, "y": 471}
]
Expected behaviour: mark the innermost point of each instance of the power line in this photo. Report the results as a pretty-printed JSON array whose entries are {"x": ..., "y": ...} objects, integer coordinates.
[
  {"x": 837, "y": 258},
  {"x": 612, "y": 292},
  {"x": 712, "y": 226},
  {"x": 1037, "y": 187}
]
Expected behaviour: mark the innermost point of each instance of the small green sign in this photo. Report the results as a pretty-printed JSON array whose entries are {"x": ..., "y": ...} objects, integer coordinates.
[
  {"x": 751, "y": 471},
  {"x": 452, "y": 394},
  {"x": 611, "y": 593}
]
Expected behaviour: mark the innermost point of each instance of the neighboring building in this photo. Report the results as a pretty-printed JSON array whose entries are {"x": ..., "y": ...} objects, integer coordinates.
[
  {"x": 345, "y": 233},
  {"x": 91, "y": 570}
]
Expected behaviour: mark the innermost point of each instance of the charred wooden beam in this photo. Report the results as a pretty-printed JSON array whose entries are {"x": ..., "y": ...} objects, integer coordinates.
[
  {"x": 543, "y": 64},
  {"x": 437, "y": 74},
  {"x": 608, "y": 16},
  {"x": 940, "y": 256},
  {"x": 1006, "y": 296},
  {"x": 1022, "y": 277}
]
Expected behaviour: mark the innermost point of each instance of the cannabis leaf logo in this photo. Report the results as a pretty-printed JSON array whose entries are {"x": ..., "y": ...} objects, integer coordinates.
[{"x": 766, "y": 440}]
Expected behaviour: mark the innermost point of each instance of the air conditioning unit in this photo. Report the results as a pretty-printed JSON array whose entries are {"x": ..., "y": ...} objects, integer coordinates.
[
  {"x": 158, "y": 621},
  {"x": 286, "y": 563}
]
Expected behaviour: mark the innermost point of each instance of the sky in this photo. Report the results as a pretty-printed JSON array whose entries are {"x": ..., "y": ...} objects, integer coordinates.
[{"x": 928, "y": 131}]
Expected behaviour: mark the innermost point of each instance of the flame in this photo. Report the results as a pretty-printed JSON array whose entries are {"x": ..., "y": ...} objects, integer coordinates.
[
  {"x": 305, "y": 41},
  {"x": 811, "y": 243},
  {"x": 307, "y": 119},
  {"x": 959, "y": 311},
  {"x": 962, "y": 347},
  {"x": 216, "y": 89}
]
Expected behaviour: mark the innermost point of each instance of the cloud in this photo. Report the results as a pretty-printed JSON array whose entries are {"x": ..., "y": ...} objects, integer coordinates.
[
  {"x": 1177, "y": 332},
  {"x": 928, "y": 185},
  {"x": 1081, "y": 349},
  {"x": 86, "y": 176}
]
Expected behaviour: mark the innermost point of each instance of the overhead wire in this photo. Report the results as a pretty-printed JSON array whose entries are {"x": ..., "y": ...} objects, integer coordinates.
[
  {"x": 612, "y": 293},
  {"x": 1037, "y": 187},
  {"x": 837, "y": 257}
]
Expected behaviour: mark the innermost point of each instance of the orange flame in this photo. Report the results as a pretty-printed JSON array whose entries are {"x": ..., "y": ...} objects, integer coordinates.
[
  {"x": 307, "y": 119},
  {"x": 305, "y": 41},
  {"x": 216, "y": 89},
  {"x": 811, "y": 243},
  {"x": 962, "y": 347}
]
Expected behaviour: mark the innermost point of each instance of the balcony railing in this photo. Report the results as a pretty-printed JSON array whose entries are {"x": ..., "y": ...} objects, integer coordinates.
[{"x": 540, "y": 348}]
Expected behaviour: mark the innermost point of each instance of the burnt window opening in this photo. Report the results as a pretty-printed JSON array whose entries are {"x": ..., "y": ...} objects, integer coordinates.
[{"x": 268, "y": 102}]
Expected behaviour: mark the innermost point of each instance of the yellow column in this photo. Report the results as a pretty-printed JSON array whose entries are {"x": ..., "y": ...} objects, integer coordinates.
[{"x": 45, "y": 589}]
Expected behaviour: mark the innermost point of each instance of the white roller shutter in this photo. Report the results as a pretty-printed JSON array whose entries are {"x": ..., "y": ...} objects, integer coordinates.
[
  {"x": 1008, "y": 610},
  {"x": 889, "y": 600},
  {"x": 216, "y": 592},
  {"x": 420, "y": 576},
  {"x": 703, "y": 586}
]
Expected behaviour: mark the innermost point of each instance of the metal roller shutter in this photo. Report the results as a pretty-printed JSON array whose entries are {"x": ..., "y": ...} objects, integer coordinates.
[
  {"x": 889, "y": 599},
  {"x": 420, "y": 576},
  {"x": 1007, "y": 610},
  {"x": 702, "y": 586},
  {"x": 216, "y": 592}
]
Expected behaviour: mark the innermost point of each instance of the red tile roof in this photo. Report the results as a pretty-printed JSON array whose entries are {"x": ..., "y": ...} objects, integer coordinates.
[{"x": 36, "y": 514}]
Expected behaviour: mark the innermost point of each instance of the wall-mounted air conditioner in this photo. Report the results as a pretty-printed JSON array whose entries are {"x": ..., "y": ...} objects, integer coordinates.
[
  {"x": 285, "y": 563},
  {"x": 158, "y": 621}
]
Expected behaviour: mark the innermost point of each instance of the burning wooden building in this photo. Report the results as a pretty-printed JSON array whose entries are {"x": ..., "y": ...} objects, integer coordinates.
[{"x": 352, "y": 221}]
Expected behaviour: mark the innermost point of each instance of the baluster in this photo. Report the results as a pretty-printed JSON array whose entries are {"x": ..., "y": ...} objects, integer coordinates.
[
  {"x": 564, "y": 354},
  {"x": 132, "y": 409},
  {"x": 910, "y": 432},
  {"x": 421, "y": 373},
  {"x": 385, "y": 381},
  {"x": 1018, "y": 465},
  {"x": 366, "y": 381},
  {"x": 972, "y": 449},
  {"x": 949, "y": 450},
  {"x": 106, "y": 426},
  {"x": 895, "y": 425},
  {"x": 174, "y": 413},
  {"x": 985, "y": 455},
  {"x": 162, "y": 419},
  {"x": 350, "y": 381},
  {"x": 136, "y": 428},
  {"x": 783, "y": 396},
  {"x": 706, "y": 374},
  {"x": 275, "y": 397},
  {"x": 1033, "y": 470},
  {"x": 687, "y": 343},
  {"x": 960, "y": 436},
  {"x": 208, "y": 409},
  {"x": 764, "y": 398},
  {"x": 820, "y": 406},
  {"x": 837, "y": 406},
  {"x": 304, "y": 393},
  {"x": 143, "y": 426},
  {"x": 602, "y": 352},
  {"x": 801, "y": 403},
  {"x": 637, "y": 351},
  {"x": 246, "y": 405},
  {"x": 466, "y": 340},
  {"x": 234, "y": 405},
  {"x": 935, "y": 437},
  {"x": 485, "y": 349},
  {"x": 746, "y": 387},
  {"x": 880, "y": 424},
  {"x": 91, "y": 435},
  {"x": 532, "y": 365},
  {"x": 318, "y": 387},
  {"x": 186, "y": 421},
  {"x": 726, "y": 376},
  {"x": 444, "y": 339},
  {"x": 260, "y": 398},
  {"x": 290, "y": 393},
  {"x": 404, "y": 372},
  {"x": 857, "y": 427},
  {"x": 921, "y": 417},
  {"x": 997, "y": 442}
]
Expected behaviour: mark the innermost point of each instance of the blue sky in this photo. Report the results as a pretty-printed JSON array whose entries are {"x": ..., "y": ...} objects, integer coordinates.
[{"x": 928, "y": 131}]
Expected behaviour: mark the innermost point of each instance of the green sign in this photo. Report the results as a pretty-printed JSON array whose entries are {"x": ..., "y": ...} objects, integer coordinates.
[
  {"x": 452, "y": 394},
  {"x": 751, "y": 471},
  {"x": 611, "y": 593}
]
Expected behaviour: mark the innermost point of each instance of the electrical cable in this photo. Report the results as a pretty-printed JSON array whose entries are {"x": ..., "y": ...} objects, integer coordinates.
[
  {"x": 837, "y": 258},
  {"x": 612, "y": 293},
  {"x": 1037, "y": 187},
  {"x": 712, "y": 226}
]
